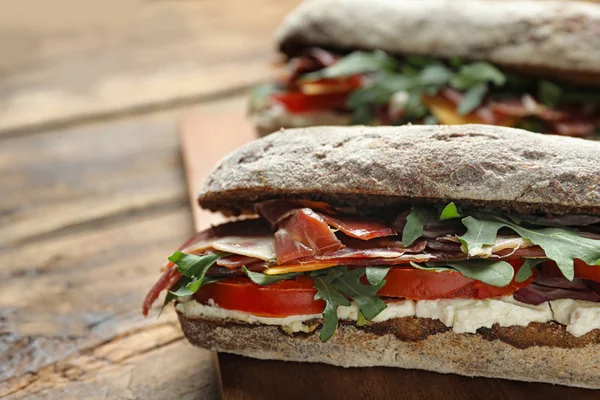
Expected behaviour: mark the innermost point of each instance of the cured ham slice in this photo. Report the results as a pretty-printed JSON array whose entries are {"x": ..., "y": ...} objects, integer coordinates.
[
  {"x": 236, "y": 261},
  {"x": 302, "y": 234},
  {"x": 364, "y": 229},
  {"x": 166, "y": 281}
]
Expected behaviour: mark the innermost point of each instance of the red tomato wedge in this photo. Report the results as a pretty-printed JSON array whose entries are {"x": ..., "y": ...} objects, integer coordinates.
[
  {"x": 324, "y": 94},
  {"x": 584, "y": 271},
  {"x": 281, "y": 299},
  {"x": 418, "y": 284},
  {"x": 296, "y": 102},
  {"x": 296, "y": 297}
]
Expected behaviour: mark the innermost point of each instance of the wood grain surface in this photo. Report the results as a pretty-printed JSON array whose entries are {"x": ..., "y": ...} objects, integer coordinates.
[{"x": 73, "y": 61}]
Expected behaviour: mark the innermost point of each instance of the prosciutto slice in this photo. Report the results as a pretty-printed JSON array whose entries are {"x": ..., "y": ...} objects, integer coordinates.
[
  {"x": 304, "y": 233},
  {"x": 364, "y": 229},
  {"x": 237, "y": 261},
  {"x": 168, "y": 279}
]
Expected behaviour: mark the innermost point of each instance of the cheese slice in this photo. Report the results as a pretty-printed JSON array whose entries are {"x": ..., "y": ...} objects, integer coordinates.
[
  {"x": 446, "y": 113},
  {"x": 297, "y": 268}
]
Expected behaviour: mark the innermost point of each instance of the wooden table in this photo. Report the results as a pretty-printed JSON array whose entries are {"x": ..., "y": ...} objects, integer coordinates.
[{"x": 92, "y": 189}]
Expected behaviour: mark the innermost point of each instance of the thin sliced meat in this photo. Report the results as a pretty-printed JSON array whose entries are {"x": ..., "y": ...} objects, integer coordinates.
[
  {"x": 527, "y": 106},
  {"x": 536, "y": 294},
  {"x": 168, "y": 279},
  {"x": 217, "y": 270},
  {"x": 275, "y": 211},
  {"x": 443, "y": 245},
  {"x": 403, "y": 259},
  {"x": 236, "y": 261},
  {"x": 302, "y": 234},
  {"x": 387, "y": 243},
  {"x": 574, "y": 127},
  {"x": 363, "y": 228}
]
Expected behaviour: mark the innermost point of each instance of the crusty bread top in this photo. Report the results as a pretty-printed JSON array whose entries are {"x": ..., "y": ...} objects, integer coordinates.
[
  {"x": 478, "y": 165},
  {"x": 551, "y": 36}
]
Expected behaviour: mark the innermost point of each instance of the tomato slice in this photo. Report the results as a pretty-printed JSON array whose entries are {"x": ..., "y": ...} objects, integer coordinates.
[
  {"x": 296, "y": 297},
  {"x": 585, "y": 271},
  {"x": 284, "y": 298},
  {"x": 416, "y": 284},
  {"x": 297, "y": 102},
  {"x": 324, "y": 94}
]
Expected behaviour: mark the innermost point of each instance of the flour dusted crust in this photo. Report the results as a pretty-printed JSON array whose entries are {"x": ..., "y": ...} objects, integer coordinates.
[
  {"x": 440, "y": 350},
  {"x": 477, "y": 165},
  {"x": 551, "y": 36}
]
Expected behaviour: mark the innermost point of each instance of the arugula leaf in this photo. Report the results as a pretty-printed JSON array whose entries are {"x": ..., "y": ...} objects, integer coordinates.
[
  {"x": 561, "y": 246},
  {"x": 449, "y": 212},
  {"x": 430, "y": 120},
  {"x": 184, "y": 280},
  {"x": 332, "y": 299},
  {"x": 193, "y": 267},
  {"x": 473, "y": 74},
  {"x": 549, "y": 93},
  {"x": 361, "y": 320},
  {"x": 479, "y": 232},
  {"x": 376, "y": 275},
  {"x": 415, "y": 222},
  {"x": 526, "y": 269},
  {"x": 492, "y": 272},
  {"x": 365, "y": 296},
  {"x": 472, "y": 99},
  {"x": 262, "y": 279},
  {"x": 357, "y": 62}
]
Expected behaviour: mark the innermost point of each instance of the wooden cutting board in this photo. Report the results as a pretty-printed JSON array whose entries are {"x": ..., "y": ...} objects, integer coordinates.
[{"x": 208, "y": 135}]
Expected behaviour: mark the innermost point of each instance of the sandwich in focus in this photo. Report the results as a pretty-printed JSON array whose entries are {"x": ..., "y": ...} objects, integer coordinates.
[
  {"x": 467, "y": 249},
  {"x": 528, "y": 64}
]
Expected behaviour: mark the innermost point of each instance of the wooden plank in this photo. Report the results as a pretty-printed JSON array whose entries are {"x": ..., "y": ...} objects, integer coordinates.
[
  {"x": 128, "y": 56},
  {"x": 62, "y": 179},
  {"x": 89, "y": 215},
  {"x": 202, "y": 148}
]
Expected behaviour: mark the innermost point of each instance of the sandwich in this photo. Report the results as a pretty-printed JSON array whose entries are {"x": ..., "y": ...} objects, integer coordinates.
[
  {"x": 528, "y": 64},
  {"x": 468, "y": 249}
]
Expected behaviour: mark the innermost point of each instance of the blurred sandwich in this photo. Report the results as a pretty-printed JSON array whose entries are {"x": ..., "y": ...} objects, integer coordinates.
[{"x": 528, "y": 64}]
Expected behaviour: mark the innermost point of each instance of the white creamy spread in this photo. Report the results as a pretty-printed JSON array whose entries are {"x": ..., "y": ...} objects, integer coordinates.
[
  {"x": 462, "y": 315},
  {"x": 466, "y": 316},
  {"x": 580, "y": 317}
]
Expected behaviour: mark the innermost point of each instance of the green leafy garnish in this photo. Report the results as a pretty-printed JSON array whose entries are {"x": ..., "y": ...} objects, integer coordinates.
[
  {"x": 365, "y": 296},
  {"x": 479, "y": 233},
  {"x": 376, "y": 275},
  {"x": 193, "y": 267},
  {"x": 263, "y": 279},
  {"x": 334, "y": 284},
  {"x": 471, "y": 75},
  {"x": 549, "y": 93},
  {"x": 559, "y": 244},
  {"x": 358, "y": 62},
  {"x": 415, "y": 222},
  {"x": 492, "y": 272},
  {"x": 332, "y": 298},
  {"x": 526, "y": 269},
  {"x": 361, "y": 320},
  {"x": 182, "y": 282},
  {"x": 472, "y": 99},
  {"x": 449, "y": 212}
]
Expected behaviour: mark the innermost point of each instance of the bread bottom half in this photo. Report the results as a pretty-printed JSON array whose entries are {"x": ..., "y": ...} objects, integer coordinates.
[{"x": 540, "y": 352}]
